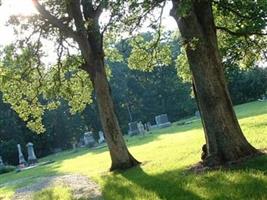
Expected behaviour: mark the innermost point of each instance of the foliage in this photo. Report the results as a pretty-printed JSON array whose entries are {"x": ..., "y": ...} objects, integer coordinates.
[
  {"x": 21, "y": 69},
  {"x": 246, "y": 84},
  {"x": 7, "y": 169},
  {"x": 8, "y": 151},
  {"x": 166, "y": 177},
  {"x": 147, "y": 52},
  {"x": 182, "y": 67},
  {"x": 241, "y": 30}
]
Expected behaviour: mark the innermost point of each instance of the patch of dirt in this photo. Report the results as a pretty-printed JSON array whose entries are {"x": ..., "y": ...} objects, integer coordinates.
[{"x": 81, "y": 187}]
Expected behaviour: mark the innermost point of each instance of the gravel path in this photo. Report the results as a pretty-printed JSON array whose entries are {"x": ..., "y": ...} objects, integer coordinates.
[{"x": 81, "y": 187}]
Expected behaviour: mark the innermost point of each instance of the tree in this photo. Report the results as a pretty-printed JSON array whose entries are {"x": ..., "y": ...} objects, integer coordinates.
[
  {"x": 224, "y": 138},
  {"x": 75, "y": 23},
  {"x": 85, "y": 16}
]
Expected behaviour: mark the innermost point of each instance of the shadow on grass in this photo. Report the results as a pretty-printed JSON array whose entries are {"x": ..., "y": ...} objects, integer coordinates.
[
  {"x": 259, "y": 163},
  {"x": 247, "y": 182},
  {"x": 160, "y": 186}
]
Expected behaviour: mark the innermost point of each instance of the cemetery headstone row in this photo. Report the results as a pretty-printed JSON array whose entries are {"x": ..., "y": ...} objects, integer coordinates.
[
  {"x": 136, "y": 128},
  {"x": 89, "y": 140}
]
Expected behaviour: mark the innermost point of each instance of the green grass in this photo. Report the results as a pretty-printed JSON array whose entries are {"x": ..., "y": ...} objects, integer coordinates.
[
  {"x": 56, "y": 193},
  {"x": 165, "y": 154}
]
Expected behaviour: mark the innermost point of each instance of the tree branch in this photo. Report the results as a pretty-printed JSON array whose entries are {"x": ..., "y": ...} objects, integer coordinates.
[
  {"x": 240, "y": 33},
  {"x": 81, "y": 30},
  {"x": 54, "y": 20},
  {"x": 100, "y": 7}
]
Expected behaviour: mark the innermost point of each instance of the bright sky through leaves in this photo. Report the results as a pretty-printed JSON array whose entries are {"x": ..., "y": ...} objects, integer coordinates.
[{"x": 25, "y": 7}]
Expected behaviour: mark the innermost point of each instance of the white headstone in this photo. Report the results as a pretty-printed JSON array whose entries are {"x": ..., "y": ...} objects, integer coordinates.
[
  {"x": 141, "y": 128},
  {"x": 101, "y": 137},
  {"x": 31, "y": 155}
]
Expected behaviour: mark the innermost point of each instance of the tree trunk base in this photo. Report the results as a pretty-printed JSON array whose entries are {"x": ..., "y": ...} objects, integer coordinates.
[
  {"x": 213, "y": 164},
  {"x": 126, "y": 165},
  {"x": 214, "y": 161}
]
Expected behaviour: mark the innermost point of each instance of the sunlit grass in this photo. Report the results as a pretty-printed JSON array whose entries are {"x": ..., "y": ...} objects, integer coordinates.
[{"x": 165, "y": 154}]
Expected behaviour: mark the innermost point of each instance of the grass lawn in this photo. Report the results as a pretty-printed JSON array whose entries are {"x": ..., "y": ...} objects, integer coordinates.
[{"x": 165, "y": 154}]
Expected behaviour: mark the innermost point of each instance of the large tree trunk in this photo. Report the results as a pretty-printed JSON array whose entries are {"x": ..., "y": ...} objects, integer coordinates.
[
  {"x": 91, "y": 46},
  {"x": 90, "y": 40},
  {"x": 224, "y": 138},
  {"x": 120, "y": 156}
]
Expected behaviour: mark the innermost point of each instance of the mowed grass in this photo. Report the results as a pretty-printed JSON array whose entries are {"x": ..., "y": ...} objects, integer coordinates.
[{"x": 166, "y": 155}]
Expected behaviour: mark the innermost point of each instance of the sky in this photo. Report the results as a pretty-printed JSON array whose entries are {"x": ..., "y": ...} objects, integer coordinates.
[
  {"x": 12, "y": 7},
  {"x": 25, "y": 7}
]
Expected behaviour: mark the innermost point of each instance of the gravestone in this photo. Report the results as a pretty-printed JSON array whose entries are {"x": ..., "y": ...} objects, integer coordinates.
[
  {"x": 133, "y": 128},
  {"x": 148, "y": 126},
  {"x": 197, "y": 114},
  {"x": 162, "y": 121},
  {"x": 31, "y": 155},
  {"x": 264, "y": 98},
  {"x": 141, "y": 128},
  {"x": 89, "y": 140},
  {"x": 101, "y": 137},
  {"x": 2, "y": 166},
  {"x": 22, "y": 161}
]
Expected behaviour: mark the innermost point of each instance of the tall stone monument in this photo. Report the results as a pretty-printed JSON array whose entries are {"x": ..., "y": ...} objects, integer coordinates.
[
  {"x": 22, "y": 161},
  {"x": 31, "y": 155}
]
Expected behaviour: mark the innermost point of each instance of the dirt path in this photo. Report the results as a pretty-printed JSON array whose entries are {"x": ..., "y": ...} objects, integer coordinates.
[{"x": 81, "y": 187}]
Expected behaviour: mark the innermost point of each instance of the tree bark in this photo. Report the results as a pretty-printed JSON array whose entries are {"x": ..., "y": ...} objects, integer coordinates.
[
  {"x": 120, "y": 156},
  {"x": 224, "y": 138},
  {"x": 91, "y": 46}
]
